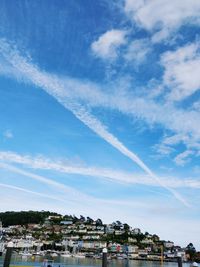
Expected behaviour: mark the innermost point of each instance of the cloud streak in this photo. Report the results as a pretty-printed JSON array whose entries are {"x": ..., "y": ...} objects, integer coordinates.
[
  {"x": 63, "y": 166},
  {"x": 71, "y": 195},
  {"x": 74, "y": 194},
  {"x": 21, "y": 189}
]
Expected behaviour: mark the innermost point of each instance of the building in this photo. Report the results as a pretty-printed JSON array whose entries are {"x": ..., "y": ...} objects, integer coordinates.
[{"x": 136, "y": 231}]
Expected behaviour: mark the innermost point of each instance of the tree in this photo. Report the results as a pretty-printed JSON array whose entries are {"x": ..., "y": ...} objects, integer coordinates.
[
  {"x": 99, "y": 222},
  {"x": 89, "y": 220},
  {"x": 82, "y": 218},
  {"x": 191, "y": 251},
  {"x": 75, "y": 219},
  {"x": 126, "y": 227},
  {"x": 24, "y": 217}
]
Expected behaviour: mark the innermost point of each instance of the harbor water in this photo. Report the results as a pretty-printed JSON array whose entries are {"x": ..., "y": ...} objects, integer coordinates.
[{"x": 87, "y": 262}]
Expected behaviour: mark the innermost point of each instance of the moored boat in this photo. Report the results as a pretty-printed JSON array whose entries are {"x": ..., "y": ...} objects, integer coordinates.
[
  {"x": 79, "y": 255},
  {"x": 65, "y": 254}
]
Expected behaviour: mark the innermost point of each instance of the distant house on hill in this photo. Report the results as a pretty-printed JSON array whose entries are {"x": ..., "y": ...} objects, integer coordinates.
[
  {"x": 136, "y": 231},
  {"x": 66, "y": 222}
]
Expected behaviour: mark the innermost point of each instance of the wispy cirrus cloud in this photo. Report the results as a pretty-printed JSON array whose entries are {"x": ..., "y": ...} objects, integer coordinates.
[
  {"x": 53, "y": 86},
  {"x": 64, "y": 193},
  {"x": 137, "y": 51},
  {"x": 182, "y": 158},
  {"x": 64, "y": 166},
  {"x": 140, "y": 107}
]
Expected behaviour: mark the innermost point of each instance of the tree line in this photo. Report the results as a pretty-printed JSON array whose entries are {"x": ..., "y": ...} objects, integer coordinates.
[{"x": 9, "y": 218}]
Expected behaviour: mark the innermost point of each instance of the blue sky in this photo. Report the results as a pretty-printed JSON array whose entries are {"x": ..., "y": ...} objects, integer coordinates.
[{"x": 100, "y": 111}]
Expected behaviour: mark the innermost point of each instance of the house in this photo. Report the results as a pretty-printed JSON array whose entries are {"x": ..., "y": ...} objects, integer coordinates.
[
  {"x": 100, "y": 227},
  {"x": 147, "y": 241},
  {"x": 115, "y": 247},
  {"x": 168, "y": 244},
  {"x": 119, "y": 232},
  {"x": 96, "y": 232},
  {"x": 109, "y": 229},
  {"x": 91, "y": 237},
  {"x": 93, "y": 244},
  {"x": 142, "y": 253},
  {"x": 90, "y": 226},
  {"x": 72, "y": 237},
  {"x": 82, "y": 231},
  {"x": 33, "y": 226},
  {"x": 136, "y": 231},
  {"x": 55, "y": 217},
  {"x": 132, "y": 240},
  {"x": 66, "y": 231},
  {"x": 57, "y": 228},
  {"x": 82, "y": 226},
  {"x": 67, "y": 222},
  {"x": 132, "y": 249}
]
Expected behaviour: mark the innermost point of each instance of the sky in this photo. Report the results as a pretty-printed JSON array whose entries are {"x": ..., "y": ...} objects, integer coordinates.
[{"x": 100, "y": 111}]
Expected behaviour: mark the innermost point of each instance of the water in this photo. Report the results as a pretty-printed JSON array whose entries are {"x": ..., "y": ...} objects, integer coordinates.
[{"x": 87, "y": 262}]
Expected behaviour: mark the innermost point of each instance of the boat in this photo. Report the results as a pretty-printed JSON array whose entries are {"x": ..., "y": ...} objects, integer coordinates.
[
  {"x": 124, "y": 256},
  {"x": 25, "y": 253},
  {"x": 120, "y": 257},
  {"x": 39, "y": 253},
  {"x": 53, "y": 254},
  {"x": 79, "y": 255},
  {"x": 89, "y": 255},
  {"x": 97, "y": 257},
  {"x": 65, "y": 254}
]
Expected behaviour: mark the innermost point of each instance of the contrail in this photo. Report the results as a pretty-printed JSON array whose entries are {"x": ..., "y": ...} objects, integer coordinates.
[
  {"x": 54, "y": 87},
  {"x": 64, "y": 166},
  {"x": 30, "y": 192},
  {"x": 62, "y": 187},
  {"x": 78, "y": 196}
]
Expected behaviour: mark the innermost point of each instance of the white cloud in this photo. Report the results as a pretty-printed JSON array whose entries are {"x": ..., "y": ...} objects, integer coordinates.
[
  {"x": 107, "y": 44},
  {"x": 166, "y": 145},
  {"x": 182, "y": 158},
  {"x": 8, "y": 134},
  {"x": 162, "y": 16},
  {"x": 137, "y": 51},
  {"x": 175, "y": 139},
  {"x": 182, "y": 71}
]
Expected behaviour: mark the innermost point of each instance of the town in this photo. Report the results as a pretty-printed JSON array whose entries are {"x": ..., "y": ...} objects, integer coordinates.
[{"x": 50, "y": 235}]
